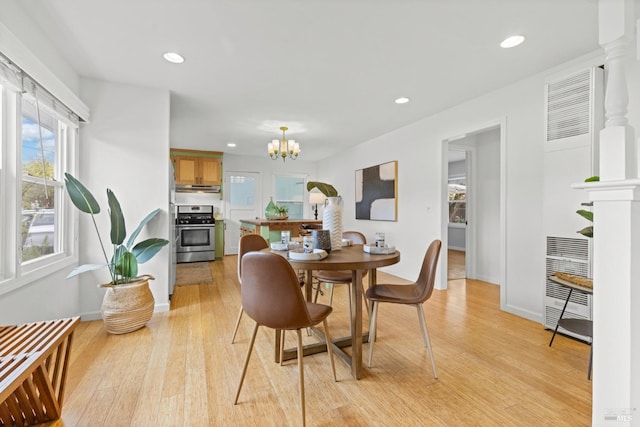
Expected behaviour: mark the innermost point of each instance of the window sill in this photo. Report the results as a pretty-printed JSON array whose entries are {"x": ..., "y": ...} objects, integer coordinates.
[{"x": 36, "y": 273}]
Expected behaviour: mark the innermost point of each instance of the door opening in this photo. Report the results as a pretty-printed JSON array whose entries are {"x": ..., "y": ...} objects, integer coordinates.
[
  {"x": 473, "y": 225},
  {"x": 457, "y": 221}
]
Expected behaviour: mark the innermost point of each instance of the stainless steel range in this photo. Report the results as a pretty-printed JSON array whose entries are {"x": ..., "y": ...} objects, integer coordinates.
[{"x": 196, "y": 233}]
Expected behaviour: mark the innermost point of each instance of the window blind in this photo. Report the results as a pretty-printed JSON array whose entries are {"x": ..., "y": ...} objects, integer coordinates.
[{"x": 16, "y": 79}]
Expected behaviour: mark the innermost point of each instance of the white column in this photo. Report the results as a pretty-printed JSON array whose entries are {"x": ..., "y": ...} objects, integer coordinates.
[{"x": 616, "y": 242}]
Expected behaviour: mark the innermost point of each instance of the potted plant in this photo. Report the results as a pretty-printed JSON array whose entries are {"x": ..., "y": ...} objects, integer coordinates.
[
  {"x": 588, "y": 215},
  {"x": 128, "y": 304},
  {"x": 332, "y": 214},
  {"x": 283, "y": 212},
  {"x": 327, "y": 189}
]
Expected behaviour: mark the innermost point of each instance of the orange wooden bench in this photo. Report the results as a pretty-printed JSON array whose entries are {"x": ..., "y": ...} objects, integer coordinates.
[{"x": 33, "y": 370}]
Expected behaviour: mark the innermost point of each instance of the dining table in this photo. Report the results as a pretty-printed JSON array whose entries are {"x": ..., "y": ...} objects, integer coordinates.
[{"x": 352, "y": 258}]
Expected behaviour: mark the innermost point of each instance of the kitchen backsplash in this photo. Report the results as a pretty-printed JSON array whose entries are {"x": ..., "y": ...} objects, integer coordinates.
[{"x": 201, "y": 199}]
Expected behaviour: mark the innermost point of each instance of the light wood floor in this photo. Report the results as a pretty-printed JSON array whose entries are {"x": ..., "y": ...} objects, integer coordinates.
[
  {"x": 456, "y": 265},
  {"x": 495, "y": 368}
]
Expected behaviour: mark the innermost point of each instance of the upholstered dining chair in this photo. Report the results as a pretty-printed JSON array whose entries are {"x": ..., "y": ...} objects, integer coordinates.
[
  {"x": 248, "y": 243},
  {"x": 414, "y": 294},
  {"x": 271, "y": 296},
  {"x": 343, "y": 276}
]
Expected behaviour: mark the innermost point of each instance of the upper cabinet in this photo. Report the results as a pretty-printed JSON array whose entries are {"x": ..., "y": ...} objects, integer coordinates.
[{"x": 197, "y": 167}]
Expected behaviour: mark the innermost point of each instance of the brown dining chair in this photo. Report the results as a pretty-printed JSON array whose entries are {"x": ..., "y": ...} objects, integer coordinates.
[
  {"x": 271, "y": 296},
  {"x": 414, "y": 294},
  {"x": 248, "y": 243},
  {"x": 342, "y": 276}
]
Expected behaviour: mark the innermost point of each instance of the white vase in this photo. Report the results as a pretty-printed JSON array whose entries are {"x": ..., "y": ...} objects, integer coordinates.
[{"x": 332, "y": 221}]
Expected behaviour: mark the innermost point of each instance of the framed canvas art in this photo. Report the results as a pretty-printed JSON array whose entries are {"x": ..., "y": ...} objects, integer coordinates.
[{"x": 377, "y": 192}]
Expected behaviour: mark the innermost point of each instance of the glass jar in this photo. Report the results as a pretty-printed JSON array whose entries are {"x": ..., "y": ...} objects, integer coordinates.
[{"x": 271, "y": 211}]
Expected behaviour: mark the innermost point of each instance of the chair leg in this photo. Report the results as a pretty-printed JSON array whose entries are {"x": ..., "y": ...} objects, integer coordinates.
[
  {"x": 315, "y": 298},
  {"x": 329, "y": 348},
  {"x": 246, "y": 362},
  {"x": 282, "y": 331},
  {"x": 372, "y": 331},
  {"x": 350, "y": 310},
  {"x": 301, "y": 374},
  {"x": 366, "y": 302},
  {"x": 590, "y": 360},
  {"x": 235, "y": 330},
  {"x": 425, "y": 336},
  {"x": 331, "y": 295}
]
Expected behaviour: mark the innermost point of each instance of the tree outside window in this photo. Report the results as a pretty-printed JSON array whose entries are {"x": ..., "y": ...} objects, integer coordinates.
[
  {"x": 41, "y": 184},
  {"x": 458, "y": 201}
]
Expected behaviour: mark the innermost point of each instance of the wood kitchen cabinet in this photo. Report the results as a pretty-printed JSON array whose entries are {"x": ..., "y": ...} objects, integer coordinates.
[{"x": 197, "y": 167}]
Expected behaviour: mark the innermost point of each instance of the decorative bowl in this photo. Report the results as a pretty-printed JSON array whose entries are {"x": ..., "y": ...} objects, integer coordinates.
[
  {"x": 317, "y": 254},
  {"x": 373, "y": 249}
]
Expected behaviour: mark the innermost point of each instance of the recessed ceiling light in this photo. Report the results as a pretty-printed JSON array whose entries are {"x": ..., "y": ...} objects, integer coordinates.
[
  {"x": 512, "y": 41},
  {"x": 402, "y": 100},
  {"x": 173, "y": 57},
  {"x": 231, "y": 144}
]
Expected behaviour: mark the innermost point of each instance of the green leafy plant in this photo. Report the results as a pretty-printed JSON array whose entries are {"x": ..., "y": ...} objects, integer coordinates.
[
  {"x": 123, "y": 264},
  {"x": 327, "y": 189},
  {"x": 588, "y": 215},
  {"x": 282, "y": 210}
]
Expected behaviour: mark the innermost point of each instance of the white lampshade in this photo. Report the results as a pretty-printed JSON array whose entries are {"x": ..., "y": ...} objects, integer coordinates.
[{"x": 316, "y": 198}]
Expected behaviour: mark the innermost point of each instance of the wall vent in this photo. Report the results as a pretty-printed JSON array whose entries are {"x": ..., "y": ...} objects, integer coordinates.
[
  {"x": 574, "y": 117},
  {"x": 568, "y": 106},
  {"x": 573, "y": 256}
]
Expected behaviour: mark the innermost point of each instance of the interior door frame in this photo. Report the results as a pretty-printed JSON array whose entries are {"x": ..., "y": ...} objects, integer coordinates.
[{"x": 501, "y": 123}]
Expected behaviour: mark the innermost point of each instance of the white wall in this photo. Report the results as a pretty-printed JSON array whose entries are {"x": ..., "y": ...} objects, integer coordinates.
[
  {"x": 125, "y": 148},
  {"x": 418, "y": 149},
  {"x": 487, "y": 217},
  {"x": 23, "y": 28}
]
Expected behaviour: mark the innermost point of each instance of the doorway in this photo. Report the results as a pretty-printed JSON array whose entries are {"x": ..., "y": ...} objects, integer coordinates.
[
  {"x": 457, "y": 200},
  {"x": 473, "y": 221},
  {"x": 241, "y": 202}
]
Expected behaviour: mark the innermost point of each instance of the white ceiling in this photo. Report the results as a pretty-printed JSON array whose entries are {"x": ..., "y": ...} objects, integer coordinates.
[{"x": 328, "y": 69}]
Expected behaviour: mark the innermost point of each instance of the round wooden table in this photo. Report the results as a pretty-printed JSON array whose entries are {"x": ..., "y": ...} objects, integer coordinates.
[{"x": 348, "y": 258}]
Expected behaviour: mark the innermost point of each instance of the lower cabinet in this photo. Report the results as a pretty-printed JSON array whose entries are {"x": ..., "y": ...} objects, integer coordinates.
[
  {"x": 220, "y": 227},
  {"x": 270, "y": 229}
]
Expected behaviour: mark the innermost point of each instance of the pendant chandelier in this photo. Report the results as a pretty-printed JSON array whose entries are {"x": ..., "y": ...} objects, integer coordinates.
[{"x": 283, "y": 148}]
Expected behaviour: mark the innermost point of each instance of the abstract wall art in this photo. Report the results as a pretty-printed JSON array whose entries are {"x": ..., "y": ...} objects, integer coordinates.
[{"x": 377, "y": 192}]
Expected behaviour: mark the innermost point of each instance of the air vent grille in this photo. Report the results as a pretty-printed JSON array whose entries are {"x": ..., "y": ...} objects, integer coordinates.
[
  {"x": 566, "y": 247},
  {"x": 568, "y": 106},
  {"x": 566, "y": 255}
]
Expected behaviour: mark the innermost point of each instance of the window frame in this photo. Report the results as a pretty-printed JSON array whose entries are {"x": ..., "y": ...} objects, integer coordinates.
[
  {"x": 13, "y": 272},
  {"x": 303, "y": 202},
  {"x": 461, "y": 180}
]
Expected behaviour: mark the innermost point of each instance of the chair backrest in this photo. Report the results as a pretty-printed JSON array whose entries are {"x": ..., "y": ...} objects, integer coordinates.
[
  {"x": 249, "y": 243},
  {"x": 356, "y": 236},
  {"x": 270, "y": 292},
  {"x": 427, "y": 278}
]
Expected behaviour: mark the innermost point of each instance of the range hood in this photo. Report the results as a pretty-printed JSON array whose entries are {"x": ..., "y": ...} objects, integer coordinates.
[{"x": 198, "y": 188}]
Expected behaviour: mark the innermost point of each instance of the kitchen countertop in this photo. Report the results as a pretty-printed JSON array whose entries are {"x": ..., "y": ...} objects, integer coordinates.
[{"x": 262, "y": 221}]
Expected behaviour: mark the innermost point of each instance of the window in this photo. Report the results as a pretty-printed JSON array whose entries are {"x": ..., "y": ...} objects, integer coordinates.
[
  {"x": 38, "y": 135},
  {"x": 457, "y": 200},
  {"x": 289, "y": 192},
  {"x": 41, "y": 182}
]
